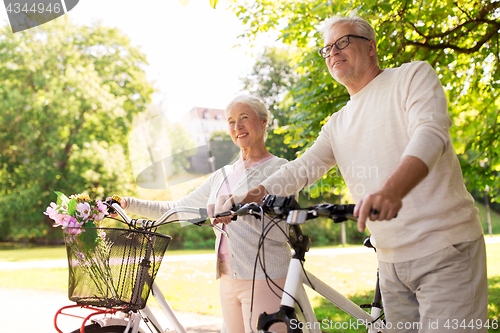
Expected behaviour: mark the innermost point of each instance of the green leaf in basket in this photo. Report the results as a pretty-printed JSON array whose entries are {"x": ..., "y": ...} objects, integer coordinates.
[
  {"x": 89, "y": 237},
  {"x": 88, "y": 224},
  {"x": 61, "y": 198},
  {"x": 72, "y": 207}
]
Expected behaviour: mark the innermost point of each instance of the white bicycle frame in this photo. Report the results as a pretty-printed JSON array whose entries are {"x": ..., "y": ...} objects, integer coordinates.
[
  {"x": 294, "y": 293},
  {"x": 134, "y": 320},
  {"x": 307, "y": 322}
]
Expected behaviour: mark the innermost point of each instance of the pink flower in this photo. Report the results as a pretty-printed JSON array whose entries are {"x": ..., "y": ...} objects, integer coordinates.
[
  {"x": 72, "y": 222},
  {"x": 60, "y": 220},
  {"x": 73, "y": 225},
  {"x": 102, "y": 207},
  {"x": 83, "y": 210},
  {"x": 52, "y": 211}
]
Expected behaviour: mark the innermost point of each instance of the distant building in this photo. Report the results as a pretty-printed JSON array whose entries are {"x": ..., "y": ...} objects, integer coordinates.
[{"x": 202, "y": 122}]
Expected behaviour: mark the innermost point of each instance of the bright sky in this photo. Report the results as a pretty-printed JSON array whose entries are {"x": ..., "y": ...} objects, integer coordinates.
[{"x": 190, "y": 49}]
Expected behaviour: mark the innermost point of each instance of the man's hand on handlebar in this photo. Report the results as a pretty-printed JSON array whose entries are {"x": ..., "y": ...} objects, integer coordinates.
[{"x": 254, "y": 195}]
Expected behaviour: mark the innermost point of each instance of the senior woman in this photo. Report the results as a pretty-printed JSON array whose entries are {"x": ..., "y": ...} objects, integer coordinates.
[{"x": 247, "y": 117}]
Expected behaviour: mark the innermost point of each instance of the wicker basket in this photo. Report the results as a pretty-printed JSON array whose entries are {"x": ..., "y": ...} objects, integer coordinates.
[{"x": 113, "y": 268}]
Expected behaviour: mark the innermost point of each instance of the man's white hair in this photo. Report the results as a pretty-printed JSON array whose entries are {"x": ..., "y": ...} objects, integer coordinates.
[{"x": 362, "y": 27}]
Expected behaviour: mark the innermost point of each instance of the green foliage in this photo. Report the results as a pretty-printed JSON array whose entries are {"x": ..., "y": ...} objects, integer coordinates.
[
  {"x": 180, "y": 141},
  {"x": 155, "y": 138},
  {"x": 271, "y": 78},
  {"x": 190, "y": 236},
  {"x": 223, "y": 149},
  {"x": 458, "y": 38},
  {"x": 494, "y": 216},
  {"x": 68, "y": 96},
  {"x": 323, "y": 231}
]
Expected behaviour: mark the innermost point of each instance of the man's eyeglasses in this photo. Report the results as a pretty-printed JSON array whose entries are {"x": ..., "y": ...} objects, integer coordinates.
[{"x": 340, "y": 44}]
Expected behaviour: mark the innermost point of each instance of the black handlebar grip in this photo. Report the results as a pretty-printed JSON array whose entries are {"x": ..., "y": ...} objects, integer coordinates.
[
  {"x": 110, "y": 202},
  {"x": 222, "y": 214},
  {"x": 350, "y": 208}
]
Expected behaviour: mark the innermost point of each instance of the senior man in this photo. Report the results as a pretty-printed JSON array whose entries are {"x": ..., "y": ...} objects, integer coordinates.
[{"x": 392, "y": 145}]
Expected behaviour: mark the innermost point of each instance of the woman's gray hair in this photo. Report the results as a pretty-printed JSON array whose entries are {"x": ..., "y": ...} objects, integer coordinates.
[
  {"x": 254, "y": 103},
  {"x": 362, "y": 27}
]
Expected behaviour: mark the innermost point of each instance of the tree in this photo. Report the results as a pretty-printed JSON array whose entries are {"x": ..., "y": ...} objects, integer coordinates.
[
  {"x": 223, "y": 149},
  {"x": 271, "y": 79},
  {"x": 458, "y": 38},
  {"x": 68, "y": 96},
  {"x": 158, "y": 149}
]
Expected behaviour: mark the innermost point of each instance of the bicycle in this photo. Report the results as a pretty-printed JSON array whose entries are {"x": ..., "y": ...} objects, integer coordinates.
[
  {"x": 112, "y": 272},
  {"x": 296, "y": 310}
]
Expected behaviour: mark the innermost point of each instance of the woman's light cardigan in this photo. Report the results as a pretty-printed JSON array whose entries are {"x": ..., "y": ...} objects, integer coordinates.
[{"x": 244, "y": 233}]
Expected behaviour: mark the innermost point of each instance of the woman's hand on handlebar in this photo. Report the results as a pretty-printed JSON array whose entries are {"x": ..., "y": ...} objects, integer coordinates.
[
  {"x": 123, "y": 205},
  {"x": 217, "y": 208},
  {"x": 225, "y": 219}
]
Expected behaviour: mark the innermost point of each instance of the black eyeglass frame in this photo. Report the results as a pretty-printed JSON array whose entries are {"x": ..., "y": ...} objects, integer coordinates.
[{"x": 338, "y": 48}]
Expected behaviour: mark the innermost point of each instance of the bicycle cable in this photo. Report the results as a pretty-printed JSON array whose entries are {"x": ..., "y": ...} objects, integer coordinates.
[
  {"x": 266, "y": 229},
  {"x": 261, "y": 260}
]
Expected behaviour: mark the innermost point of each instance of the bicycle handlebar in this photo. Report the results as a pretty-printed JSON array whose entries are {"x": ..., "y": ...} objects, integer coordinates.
[
  {"x": 288, "y": 208},
  {"x": 192, "y": 215}
]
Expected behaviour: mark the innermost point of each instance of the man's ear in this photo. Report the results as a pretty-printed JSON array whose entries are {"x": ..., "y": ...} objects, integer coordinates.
[{"x": 373, "y": 48}]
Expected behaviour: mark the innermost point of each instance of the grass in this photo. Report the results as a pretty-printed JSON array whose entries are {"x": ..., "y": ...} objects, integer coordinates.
[
  {"x": 495, "y": 218},
  {"x": 9, "y": 252},
  {"x": 191, "y": 285}
]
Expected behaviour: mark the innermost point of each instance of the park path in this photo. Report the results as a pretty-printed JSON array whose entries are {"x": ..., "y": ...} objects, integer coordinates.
[{"x": 27, "y": 310}]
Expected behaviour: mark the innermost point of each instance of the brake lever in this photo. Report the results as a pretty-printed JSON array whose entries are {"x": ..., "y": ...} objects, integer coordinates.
[{"x": 220, "y": 230}]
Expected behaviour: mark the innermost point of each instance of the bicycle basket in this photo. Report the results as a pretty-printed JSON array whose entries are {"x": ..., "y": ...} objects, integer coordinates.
[{"x": 112, "y": 268}]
